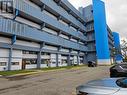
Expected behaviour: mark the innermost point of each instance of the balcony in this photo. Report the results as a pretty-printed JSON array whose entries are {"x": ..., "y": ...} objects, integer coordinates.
[
  {"x": 10, "y": 27},
  {"x": 68, "y": 6},
  {"x": 37, "y": 16},
  {"x": 54, "y": 8}
]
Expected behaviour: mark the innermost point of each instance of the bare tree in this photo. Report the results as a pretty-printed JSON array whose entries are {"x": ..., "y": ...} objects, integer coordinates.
[{"x": 124, "y": 48}]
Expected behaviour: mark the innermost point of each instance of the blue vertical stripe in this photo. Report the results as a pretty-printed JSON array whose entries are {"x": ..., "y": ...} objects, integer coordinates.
[
  {"x": 116, "y": 37},
  {"x": 101, "y": 33}
]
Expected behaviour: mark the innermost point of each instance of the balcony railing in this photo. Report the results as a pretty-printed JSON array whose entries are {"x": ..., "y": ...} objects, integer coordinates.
[
  {"x": 11, "y": 27},
  {"x": 32, "y": 13},
  {"x": 52, "y": 6}
]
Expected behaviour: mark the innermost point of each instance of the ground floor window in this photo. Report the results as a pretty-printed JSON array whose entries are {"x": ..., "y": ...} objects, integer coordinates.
[
  {"x": 53, "y": 62},
  {"x": 72, "y": 61},
  {"x": 44, "y": 53},
  {"x": 29, "y": 52},
  {"x": 81, "y": 59},
  {"x": 45, "y": 61},
  {"x": 64, "y": 61},
  {"x": 3, "y": 63},
  {"x": 31, "y": 61},
  {"x": 15, "y": 63}
]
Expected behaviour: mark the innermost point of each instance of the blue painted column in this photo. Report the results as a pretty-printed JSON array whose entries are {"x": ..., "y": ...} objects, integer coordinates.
[
  {"x": 39, "y": 55},
  {"x": 39, "y": 59},
  {"x": 78, "y": 58},
  {"x": 10, "y": 58},
  {"x": 101, "y": 33},
  {"x": 85, "y": 58},
  {"x": 13, "y": 40},
  {"x": 68, "y": 58},
  {"x": 118, "y": 56}
]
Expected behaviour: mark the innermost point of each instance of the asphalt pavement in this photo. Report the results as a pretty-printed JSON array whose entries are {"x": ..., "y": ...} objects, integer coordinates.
[{"x": 59, "y": 82}]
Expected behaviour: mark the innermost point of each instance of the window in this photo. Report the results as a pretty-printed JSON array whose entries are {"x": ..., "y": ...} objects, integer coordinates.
[
  {"x": 31, "y": 61},
  {"x": 29, "y": 52},
  {"x": 71, "y": 61},
  {"x": 64, "y": 61},
  {"x": 25, "y": 52},
  {"x": 6, "y": 6},
  {"x": 45, "y": 61},
  {"x": 3, "y": 63},
  {"x": 32, "y": 52},
  {"x": 15, "y": 63},
  {"x": 53, "y": 62},
  {"x": 122, "y": 82},
  {"x": 43, "y": 53},
  {"x": 81, "y": 60},
  {"x": 124, "y": 66}
]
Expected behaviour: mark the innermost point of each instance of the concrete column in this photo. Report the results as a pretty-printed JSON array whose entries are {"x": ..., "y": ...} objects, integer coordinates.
[
  {"x": 39, "y": 60},
  {"x": 57, "y": 57},
  {"x": 39, "y": 56},
  {"x": 57, "y": 60},
  {"x": 59, "y": 18},
  {"x": 42, "y": 25},
  {"x": 85, "y": 59},
  {"x": 78, "y": 62},
  {"x": 59, "y": 3},
  {"x": 10, "y": 58},
  {"x": 68, "y": 60},
  {"x": 70, "y": 37},
  {"x": 43, "y": 7},
  {"x": 78, "y": 58},
  {"x": 16, "y": 13},
  {"x": 59, "y": 33},
  {"x": 13, "y": 40}
]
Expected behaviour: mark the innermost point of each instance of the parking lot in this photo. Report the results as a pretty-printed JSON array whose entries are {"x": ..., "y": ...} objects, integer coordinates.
[{"x": 60, "y": 82}]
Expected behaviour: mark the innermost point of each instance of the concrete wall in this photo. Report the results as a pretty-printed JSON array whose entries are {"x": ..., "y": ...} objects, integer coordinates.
[{"x": 54, "y": 26}]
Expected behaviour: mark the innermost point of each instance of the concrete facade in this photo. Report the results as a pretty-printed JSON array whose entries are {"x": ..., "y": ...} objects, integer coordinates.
[
  {"x": 52, "y": 33},
  {"x": 42, "y": 33}
]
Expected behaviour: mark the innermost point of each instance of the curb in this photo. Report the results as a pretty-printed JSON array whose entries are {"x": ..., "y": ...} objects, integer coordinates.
[
  {"x": 31, "y": 73},
  {"x": 39, "y": 71}
]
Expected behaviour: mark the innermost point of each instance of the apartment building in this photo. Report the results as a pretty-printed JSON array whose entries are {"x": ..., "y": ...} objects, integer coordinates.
[{"x": 40, "y": 34}]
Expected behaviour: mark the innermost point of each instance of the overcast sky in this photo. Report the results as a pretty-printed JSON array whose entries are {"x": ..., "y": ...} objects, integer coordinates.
[{"x": 116, "y": 11}]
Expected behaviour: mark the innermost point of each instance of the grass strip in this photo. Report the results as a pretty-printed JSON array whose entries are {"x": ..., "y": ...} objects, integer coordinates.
[{"x": 9, "y": 73}]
